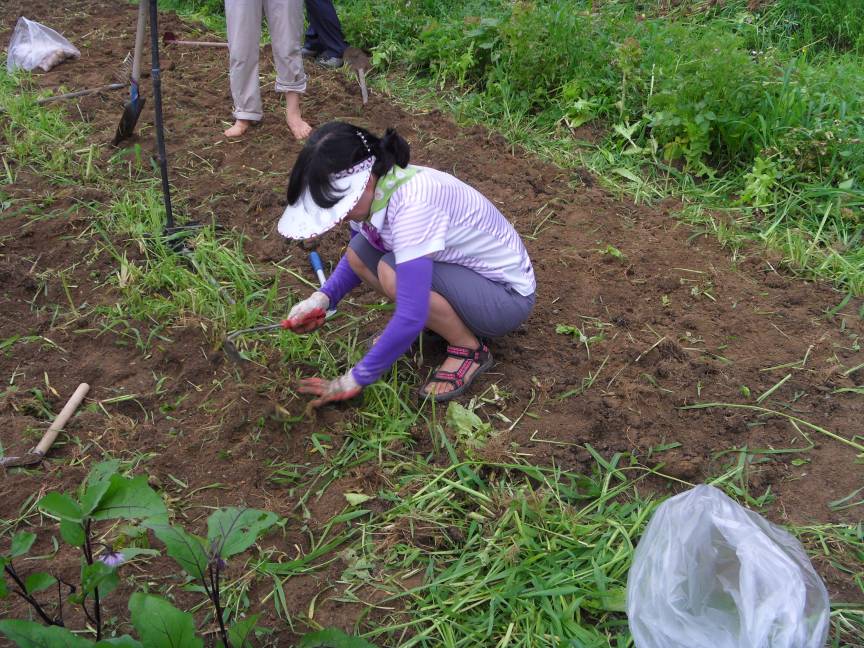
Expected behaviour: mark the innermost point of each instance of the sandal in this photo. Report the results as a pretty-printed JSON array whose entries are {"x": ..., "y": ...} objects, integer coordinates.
[{"x": 481, "y": 356}]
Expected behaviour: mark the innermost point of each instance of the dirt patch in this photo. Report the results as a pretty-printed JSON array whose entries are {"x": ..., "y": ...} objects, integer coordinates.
[{"x": 667, "y": 319}]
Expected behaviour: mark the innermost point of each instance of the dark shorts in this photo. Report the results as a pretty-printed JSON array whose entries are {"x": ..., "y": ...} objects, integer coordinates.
[{"x": 488, "y": 308}]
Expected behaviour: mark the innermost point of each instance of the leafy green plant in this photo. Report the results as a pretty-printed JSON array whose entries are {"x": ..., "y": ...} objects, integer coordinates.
[
  {"x": 580, "y": 335},
  {"x": 230, "y": 531},
  {"x": 158, "y": 623},
  {"x": 471, "y": 431},
  {"x": 104, "y": 495},
  {"x": 107, "y": 495}
]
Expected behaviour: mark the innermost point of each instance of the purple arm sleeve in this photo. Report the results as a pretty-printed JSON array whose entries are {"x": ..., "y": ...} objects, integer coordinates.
[
  {"x": 413, "y": 285},
  {"x": 341, "y": 282}
]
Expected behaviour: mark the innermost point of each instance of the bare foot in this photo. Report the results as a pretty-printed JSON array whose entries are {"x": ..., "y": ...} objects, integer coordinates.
[
  {"x": 299, "y": 128},
  {"x": 239, "y": 128}
]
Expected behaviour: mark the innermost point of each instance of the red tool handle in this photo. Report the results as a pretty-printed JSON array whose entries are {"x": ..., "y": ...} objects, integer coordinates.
[{"x": 298, "y": 324}]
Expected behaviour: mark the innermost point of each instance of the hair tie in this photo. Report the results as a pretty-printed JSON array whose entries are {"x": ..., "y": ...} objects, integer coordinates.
[{"x": 365, "y": 143}]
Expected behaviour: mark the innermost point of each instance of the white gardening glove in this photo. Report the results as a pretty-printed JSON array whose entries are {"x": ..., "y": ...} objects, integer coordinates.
[
  {"x": 343, "y": 388},
  {"x": 309, "y": 314}
]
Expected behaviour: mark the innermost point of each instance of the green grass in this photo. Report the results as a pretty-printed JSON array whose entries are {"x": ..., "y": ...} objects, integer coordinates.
[
  {"x": 755, "y": 118},
  {"x": 523, "y": 557}
]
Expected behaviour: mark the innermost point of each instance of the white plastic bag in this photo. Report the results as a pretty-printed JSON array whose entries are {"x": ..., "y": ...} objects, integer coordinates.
[
  {"x": 34, "y": 45},
  {"x": 708, "y": 573}
]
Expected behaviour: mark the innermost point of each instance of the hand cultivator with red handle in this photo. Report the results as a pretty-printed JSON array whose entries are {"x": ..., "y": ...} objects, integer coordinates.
[{"x": 309, "y": 322}]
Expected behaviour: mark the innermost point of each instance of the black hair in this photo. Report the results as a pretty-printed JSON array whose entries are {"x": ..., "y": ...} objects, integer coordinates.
[{"x": 337, "y": 146}]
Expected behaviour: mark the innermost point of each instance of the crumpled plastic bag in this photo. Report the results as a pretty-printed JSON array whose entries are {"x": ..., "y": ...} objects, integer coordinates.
[
  {"x": 35, "y": 45},
  {"x": 708, "y": 573}
]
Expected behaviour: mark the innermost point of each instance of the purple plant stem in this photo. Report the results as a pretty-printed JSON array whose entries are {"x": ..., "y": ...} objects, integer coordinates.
[
  {"x": 22, "y": 592},
  {"x": 97, "y": 609}
]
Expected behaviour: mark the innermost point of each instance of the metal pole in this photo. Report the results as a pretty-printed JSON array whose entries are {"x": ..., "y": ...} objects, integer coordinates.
[{"x": 157, "y": 109}]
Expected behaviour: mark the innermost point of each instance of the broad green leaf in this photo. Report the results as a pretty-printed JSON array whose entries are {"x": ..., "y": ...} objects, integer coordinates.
[
  {"x": 93, "y": 494},
  {"x": 72, "y": 533},
  {"x": 98, "y": 482},
  {"x": 232, "y": 530},
  {"x": 160, "y": 624},
  {"x": 185, "y": 548},
  {"x": 119, "y": 642},
  {"x": 98, "y": 575},
  {"x": 4, "y": 588},
  {"x": 21, "y": 543},
  {"x": 38, "y": 581},
  {"x": 60, "y": 505},
  {"x": 129, "y": 498},
  {"x": 240, "y": 634},
  {"x": 355, "y": 499},
  {"x": 102, "y": 472},
  {"x": 27, "y": 634},
  {"x": 332, "y": 638},
  {"x": 463, "y": 421}
]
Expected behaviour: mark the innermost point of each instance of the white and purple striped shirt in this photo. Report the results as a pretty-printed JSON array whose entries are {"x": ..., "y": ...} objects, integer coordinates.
[{"x": 437, "y": 215}]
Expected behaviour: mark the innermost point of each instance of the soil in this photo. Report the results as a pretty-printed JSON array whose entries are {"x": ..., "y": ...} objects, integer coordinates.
[{"x": 682, "y": 320}]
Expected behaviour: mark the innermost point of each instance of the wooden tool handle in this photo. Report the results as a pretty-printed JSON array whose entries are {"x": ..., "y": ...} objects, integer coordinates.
[
  {"x": 197, "y": 43},
  {"x": 64, "y": 415},
  {"x": 139, "y": 41}
]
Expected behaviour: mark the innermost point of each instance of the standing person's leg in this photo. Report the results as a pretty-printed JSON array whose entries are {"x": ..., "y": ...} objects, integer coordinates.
[
  {"x": 243, "y": 19},
  {"x": 285, "y": 19},
  {"x": 324, "y": 20},
  {"x": 311, "y": 45}
]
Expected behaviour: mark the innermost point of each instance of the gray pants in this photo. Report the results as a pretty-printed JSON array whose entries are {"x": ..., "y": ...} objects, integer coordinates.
[
  {"x": 285, "y": 20},
  {"x": 489, "y": 309}
]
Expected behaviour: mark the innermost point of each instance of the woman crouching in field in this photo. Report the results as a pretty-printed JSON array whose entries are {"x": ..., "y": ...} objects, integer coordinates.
[{"x": 431, "y": 243}]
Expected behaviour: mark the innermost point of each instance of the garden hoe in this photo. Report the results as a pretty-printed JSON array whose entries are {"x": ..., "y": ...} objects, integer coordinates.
[
  {"x": 359, "y": 62},
  {"x": 37, "y": 454},
  {"x": 132, "y": 109},
  {"x": 79, "y": 93}
]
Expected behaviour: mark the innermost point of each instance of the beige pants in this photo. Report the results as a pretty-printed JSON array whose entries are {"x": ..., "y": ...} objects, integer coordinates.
[{"x": 285, "y": 20}]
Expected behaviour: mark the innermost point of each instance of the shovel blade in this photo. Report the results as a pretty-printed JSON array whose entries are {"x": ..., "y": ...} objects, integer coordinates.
[
  {"x": 131, "y": 112},
  {"x": 29, "y": 459}
]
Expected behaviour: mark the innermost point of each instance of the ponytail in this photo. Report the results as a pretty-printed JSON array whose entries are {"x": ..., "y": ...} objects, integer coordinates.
[{"x": 392, "y": 149}]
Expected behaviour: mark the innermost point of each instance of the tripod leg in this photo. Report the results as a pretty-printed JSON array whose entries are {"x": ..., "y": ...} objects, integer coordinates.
[{"x": 156, "y": 75}]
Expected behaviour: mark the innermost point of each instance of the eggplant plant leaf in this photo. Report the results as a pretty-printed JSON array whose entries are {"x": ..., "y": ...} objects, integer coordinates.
[
  {"x": 129, "y": 499},
  {"x": 28, "y": 634},
  {"x": 186, "y": 549},
  {"x": 60, "y": 506},
  {"x": 332, "y": 638},
  {"x": 160, "y": 624},
  {"x": 38, "y": 581},
  {"x": 72, "y": 533},
  {"x": 21, "y": 543},
  {"x": 241, "y": 632},
  {"x": 233, "y": 530},
  {"x": 98, "y": 575}
]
